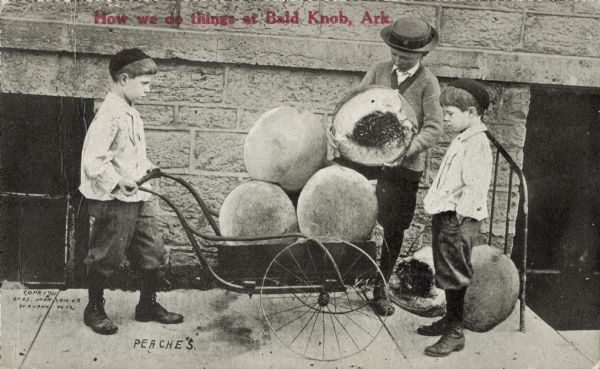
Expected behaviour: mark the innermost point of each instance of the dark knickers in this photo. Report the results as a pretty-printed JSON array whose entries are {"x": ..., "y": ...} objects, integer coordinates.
[
  {"x": 452, "y": 246},
  {"x": 119, "y": 229}
]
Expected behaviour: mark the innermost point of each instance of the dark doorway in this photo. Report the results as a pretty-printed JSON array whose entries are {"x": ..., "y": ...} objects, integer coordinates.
[
  {"x": 562, "y": 166},
  {"x": 40, "y": 147}
]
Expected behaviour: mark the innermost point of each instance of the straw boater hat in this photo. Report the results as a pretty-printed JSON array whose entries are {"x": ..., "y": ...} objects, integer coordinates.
[{"x": 410, "y": 34}]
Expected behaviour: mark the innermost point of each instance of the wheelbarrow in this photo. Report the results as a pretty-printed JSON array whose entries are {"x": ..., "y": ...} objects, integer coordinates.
[{"x": 314, "y": 292}]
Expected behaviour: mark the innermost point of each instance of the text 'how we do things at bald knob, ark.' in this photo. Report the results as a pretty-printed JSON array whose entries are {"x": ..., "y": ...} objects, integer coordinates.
[{"x": 267, "y": 17}]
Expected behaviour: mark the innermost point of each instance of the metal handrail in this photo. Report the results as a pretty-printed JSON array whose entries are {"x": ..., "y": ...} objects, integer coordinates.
[{"x": 523, "y": 202}]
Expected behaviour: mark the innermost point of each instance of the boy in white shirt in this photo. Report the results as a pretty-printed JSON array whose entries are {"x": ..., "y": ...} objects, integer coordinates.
[
  {"x": 122, "y": 220},
  {"x": 457, "y": 199}
]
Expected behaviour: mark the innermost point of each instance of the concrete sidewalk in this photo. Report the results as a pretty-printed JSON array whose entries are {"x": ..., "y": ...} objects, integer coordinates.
[{"x": 44, "y": 329}]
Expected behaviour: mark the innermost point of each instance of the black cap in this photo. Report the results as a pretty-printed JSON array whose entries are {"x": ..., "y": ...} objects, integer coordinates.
[
  {"x": 474, "y": 88},
  {"x": 123, "y": 58}
]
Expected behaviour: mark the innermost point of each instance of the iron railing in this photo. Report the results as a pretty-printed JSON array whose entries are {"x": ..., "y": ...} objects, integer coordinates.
[{"x": 522, "y": 225}]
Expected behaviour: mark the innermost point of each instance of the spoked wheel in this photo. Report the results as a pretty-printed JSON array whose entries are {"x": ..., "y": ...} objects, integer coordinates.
[{"x": 321, "y": 308}]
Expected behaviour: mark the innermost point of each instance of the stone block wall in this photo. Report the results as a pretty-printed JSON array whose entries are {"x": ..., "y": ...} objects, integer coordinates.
[{"x": 214, "y": 81}]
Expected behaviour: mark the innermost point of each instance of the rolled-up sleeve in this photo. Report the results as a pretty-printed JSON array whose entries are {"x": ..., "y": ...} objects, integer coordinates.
[
  {"x": 476, "y": 176},
  {"x": 97, "y": 156}
]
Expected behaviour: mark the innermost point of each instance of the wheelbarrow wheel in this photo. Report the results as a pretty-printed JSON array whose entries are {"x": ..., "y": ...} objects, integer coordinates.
[{"x": 310, "y": 310}]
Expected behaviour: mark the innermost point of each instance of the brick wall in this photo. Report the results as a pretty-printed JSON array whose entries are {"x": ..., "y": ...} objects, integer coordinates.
[{"x": 214, "y": 81}]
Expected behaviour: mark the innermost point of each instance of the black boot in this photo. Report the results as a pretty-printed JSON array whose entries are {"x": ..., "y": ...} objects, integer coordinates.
[
  {"x": 94, "y": 315},
  {"x": 452, "y": 340},
  {"x": 381, "y": 303},
  {"x": 148, "y": 309},
  {"x": 439, "y": 327}
]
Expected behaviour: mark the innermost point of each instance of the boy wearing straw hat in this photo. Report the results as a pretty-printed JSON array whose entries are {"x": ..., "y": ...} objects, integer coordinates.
[{"x": 409, "y": 40}]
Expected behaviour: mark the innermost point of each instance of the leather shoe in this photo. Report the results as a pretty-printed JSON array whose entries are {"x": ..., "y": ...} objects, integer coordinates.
[
  {"x": 153, "y": 311},
  {"x": 452, "y": 340},
  {"x": 437, "y": 328},
  {"x": 381, "y": 303},
  {"x": 383, "y": 307},
  {"x": 95, "y": 317}
]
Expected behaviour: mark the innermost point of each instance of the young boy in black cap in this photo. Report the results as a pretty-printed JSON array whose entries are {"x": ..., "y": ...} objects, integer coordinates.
[
  {"x": 457, "y": 199},
  {"x": 409, "y": 39},
  {"x": 122, "y": 220}
]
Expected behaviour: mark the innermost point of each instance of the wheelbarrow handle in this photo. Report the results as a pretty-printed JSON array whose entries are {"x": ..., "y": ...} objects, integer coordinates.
[
  {"x": 150, "y": 174},
  {"x": 208, "y": 213}
]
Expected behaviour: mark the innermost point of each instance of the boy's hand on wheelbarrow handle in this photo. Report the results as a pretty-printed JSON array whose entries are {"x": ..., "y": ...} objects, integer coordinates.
[
  {"x": 150, "y": 174},
  {"x": 127, "y": 186}
]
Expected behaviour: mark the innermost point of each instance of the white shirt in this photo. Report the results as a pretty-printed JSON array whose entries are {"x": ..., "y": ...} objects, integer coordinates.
[
  {"x": 114, "y": 148},
  {"x": 463, "y": 180},
  {"x": 401, "y": 75}
]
